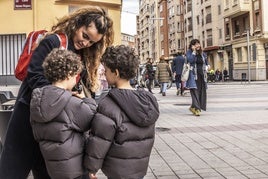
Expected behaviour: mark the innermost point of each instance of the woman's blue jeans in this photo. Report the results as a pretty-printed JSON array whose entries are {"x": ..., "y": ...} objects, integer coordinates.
[{"x": 164, "y": 87}]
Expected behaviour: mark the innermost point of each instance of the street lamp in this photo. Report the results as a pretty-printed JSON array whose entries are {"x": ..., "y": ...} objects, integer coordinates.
[
  {"x": 248, "y": 55},
  {"x": 150, "y": 34}
]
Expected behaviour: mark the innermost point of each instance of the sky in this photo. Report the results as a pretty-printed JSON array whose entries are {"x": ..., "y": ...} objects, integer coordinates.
[{"x": 128, "y": 17}]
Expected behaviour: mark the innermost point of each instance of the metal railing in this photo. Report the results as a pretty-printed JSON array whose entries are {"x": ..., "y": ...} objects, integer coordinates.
[{"x": 10, "y": 49}]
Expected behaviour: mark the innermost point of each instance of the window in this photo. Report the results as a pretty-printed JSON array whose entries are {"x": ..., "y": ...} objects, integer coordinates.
[
  {"x": 227, "y": 29},
  {"x": 235, "y": 2},
  {"x": 189, "y": 6},
  {"x": 179, "y": 10},
  {"x": 220, "y": 33},
  {"x": 209, "y": 37},
  {"x": 257, "y": 20},
  {"x": 239, "y": 54},
  {"x": 10, "y": 49},
  {"x": 190, "y": 27},
  {"x": 179, "y": 43},
  {"x": 178, "y": 27},
  {"x": 245, "y": 23},
  {"x": 236, "y": 27},
  {"x": 226, "y": 4},
  {"x": 256, "y": 5},
  {"x": 219, "y": 9},
  {"x": 197, "y": 20}
]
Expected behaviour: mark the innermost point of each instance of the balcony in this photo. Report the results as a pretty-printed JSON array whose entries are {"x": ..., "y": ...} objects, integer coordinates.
[{"x": 240, "y": 7}]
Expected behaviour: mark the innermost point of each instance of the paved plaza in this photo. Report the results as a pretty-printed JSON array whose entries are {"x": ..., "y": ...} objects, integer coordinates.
[{"x": 229, "y": 140}]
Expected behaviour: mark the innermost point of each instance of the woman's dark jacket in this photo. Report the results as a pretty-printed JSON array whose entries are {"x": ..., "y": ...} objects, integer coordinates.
[
  {"x": 35, "y": 77},
  {"x": 23, "y": 147},
  {"x": 122, "y": 134},
  {"x": 59, "y": 121}
]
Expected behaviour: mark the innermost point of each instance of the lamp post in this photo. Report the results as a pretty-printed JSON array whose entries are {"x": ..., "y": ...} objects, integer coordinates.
[
  {"x": 150, "y": 34},
  {"x": 248, "y": 55}
]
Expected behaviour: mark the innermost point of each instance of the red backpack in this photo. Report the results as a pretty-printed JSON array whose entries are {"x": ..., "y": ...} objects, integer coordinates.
[{"x": 30, "y": 45}]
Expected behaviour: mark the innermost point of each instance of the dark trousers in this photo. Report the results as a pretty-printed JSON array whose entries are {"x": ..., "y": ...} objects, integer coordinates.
[
  {"x": 21, "y": 152},
  {"x": 179, "y": 83},
  {"x": 195, "y": 99},
  {"x": 199, "y": 95},
  {"x": 149, "y": 84}
]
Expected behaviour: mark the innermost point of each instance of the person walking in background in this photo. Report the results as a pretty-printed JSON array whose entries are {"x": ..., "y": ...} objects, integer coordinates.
[
  {"x": 197, "y": 82},
  {"x": 123, "y": 130},
  {"x": 103, "y": 82},
  {"x": 59, "y": 116},
  {"x": 89, "y": 31},
  {"x": 177, "y": 67},
  {"x": 225, "y": 74},
  {"x": 149, "y": 74},
  {"x": 163, "y": 74}
]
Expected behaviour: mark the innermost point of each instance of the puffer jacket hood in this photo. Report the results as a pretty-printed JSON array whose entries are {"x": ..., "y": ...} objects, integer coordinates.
[
  {"x": 140, "y": 106},
  {"x": 45, "y": 109}
]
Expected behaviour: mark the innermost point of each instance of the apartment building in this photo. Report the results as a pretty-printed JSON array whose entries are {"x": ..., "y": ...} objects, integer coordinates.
[
  {"x": 233, "y": 33},
  {"x": 176, "y": 26},
  {"x": 150, "y": 30},
  {"x": 246, "y": 37},
  {"x": 19, "y": 17},
  {"x": 127, "y": 39}
]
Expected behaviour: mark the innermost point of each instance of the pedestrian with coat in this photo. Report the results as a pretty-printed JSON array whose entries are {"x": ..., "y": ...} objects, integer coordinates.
[
  {"x": 177, "y": 66},
  {"x": 197, "y": 81},
  {"x": 149, "y": 74},
  {"x": 89, "y": 31},
  {"x": 123, "y": 130},
  {"x": 163, "y": 74}
]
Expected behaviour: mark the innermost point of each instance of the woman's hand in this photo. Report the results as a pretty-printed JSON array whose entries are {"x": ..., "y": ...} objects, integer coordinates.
[
  {"x": 79, "y": 95},
  {"x": 193, "y": 48},
  {"x": 92, "y": 176}
]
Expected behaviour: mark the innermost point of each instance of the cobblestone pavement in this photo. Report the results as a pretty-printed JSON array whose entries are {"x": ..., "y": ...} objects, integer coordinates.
[{"x": 229, "y": 140}]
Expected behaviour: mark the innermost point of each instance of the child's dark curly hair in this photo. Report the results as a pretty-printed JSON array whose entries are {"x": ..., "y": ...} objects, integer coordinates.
[
  {"x": 122, "y": 58},
  {"x": 60, "y": 63}
]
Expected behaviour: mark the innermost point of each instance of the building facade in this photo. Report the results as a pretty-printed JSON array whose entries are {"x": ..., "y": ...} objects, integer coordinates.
[
  {"x": 233, "y": 33},
  {"x": 128, "y": 40},
  {"x": 149, "y": 27}
]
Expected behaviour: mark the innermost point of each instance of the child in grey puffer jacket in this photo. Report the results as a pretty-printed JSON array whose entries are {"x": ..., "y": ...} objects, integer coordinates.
[
  {"x": 59, "y": 117},
  {"x": 123, "y": 129}
]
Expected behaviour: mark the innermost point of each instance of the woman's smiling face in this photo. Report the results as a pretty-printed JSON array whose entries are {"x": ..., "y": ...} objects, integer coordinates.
[{"x": 86, "y": 36}]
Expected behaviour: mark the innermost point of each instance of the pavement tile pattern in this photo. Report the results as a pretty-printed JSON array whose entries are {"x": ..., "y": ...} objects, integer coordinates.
[{"x": 228, "y": 141}]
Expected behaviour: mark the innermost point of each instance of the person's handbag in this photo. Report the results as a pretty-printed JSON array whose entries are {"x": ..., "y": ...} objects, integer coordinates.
[{"x": 185, "y": 71}]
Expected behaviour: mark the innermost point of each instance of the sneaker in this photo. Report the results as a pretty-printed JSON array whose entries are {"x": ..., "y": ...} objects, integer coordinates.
[
  {"x": 164, "y": 94},
  {"x": 182, "y": 93},
  {"x": 197, "y": 112},
  {"x": 178, "y": 92},
  {"x": 151, "y": 91},
  {"x": 192, "y": 110}
]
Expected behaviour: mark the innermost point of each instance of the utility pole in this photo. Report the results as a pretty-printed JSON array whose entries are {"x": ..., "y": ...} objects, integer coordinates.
[{"x": 248, "y": 55}]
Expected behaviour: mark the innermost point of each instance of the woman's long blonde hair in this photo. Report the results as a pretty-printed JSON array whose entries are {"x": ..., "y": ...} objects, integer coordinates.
[{"x": 91, "y": 55}]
